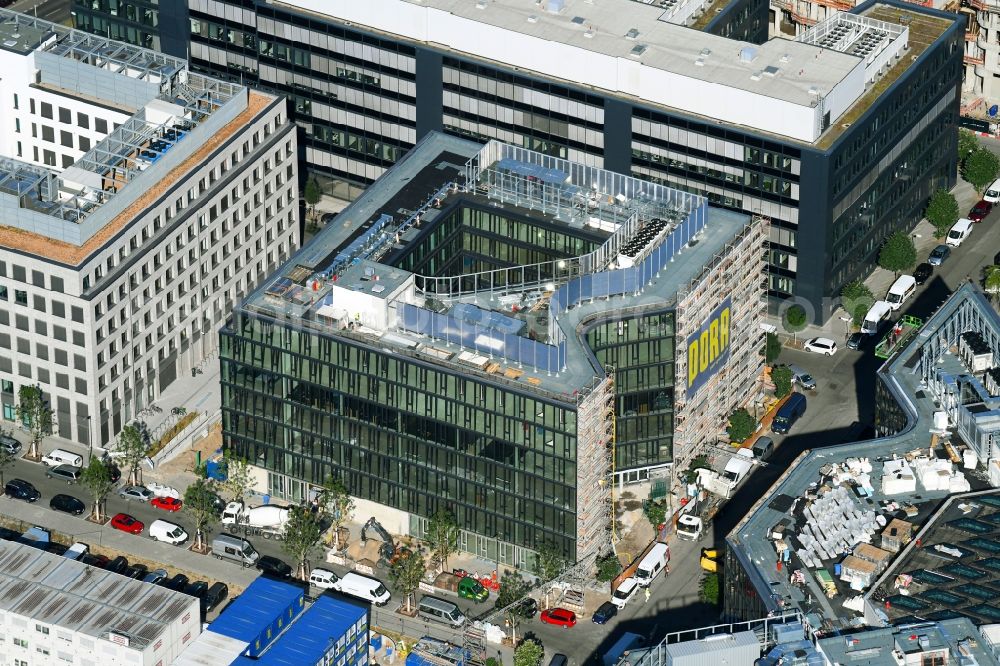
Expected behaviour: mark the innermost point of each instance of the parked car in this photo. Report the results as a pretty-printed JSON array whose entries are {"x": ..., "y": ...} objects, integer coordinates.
[
  {"x": 821, "y": 346},
  {"x": 167, "y": 503},
  {"x": 10, "y": 445},
  {"x": 136, "y": 571},
  {"x": 127, "y": 523},
  {"x": 216, "y": 594},
  {"x": 67, "y": 473},
  {"x": 604, "y": 613},
  {"x": 802, "y": 378},
  {"x": 559, "y": 617},
  {"x": 980, "y": 211},
  {"x": 856, "y": 340},
  {"x": 99, "y": 561},
  {"x": 67, "y": 504},
  {"x": 139, "y": 493},
  {"x": 923, "y": 273},
  {"x": 938, "y": 255},
  {"x": 196, "y": 589},
  {"x": 22, "y": 490},
  {"x": 177, "y": 583},
  {"x": 155, "y": 576},
  {"x": 763, "y": 448},
  {"x": 114, "y": 474},
  {"x": 117, "y": 565},
  {"x": 273, "y": 567}
]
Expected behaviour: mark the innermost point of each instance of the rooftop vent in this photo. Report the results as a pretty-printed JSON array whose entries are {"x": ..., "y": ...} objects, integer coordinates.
[
  {"x": 813, "y": 90},
  {"x": 578, "y": 20},
  {"x": 771, "y": 71},
  {"x": 589, "y": 33},
  {"x": 533, "y": 19},
  {"x": 755, "y": 76},
  {"x": 700, "y": 62},
  {"x": 480, "y": 4},
  {"x": 706, "y": 52},
  {"x": 748, "y": 54},
  {"x": 632, "y": 33},
  {"x": 555, "y": 6},
  {"x": 637, "y": 50},
  {"x": 786, "y": 57}
]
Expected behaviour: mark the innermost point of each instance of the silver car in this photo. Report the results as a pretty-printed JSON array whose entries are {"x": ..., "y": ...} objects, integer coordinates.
[{"x": 140, "y": 493}]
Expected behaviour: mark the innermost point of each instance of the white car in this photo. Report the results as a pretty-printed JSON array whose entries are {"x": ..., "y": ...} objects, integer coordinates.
[
  {"x": 821, "y": 346},
  {"x": 160, "y": 490},
  {"x": 993, "y": 193},
  {"x": 324, "y": 579},
  {"x": 136, "y": 493}
]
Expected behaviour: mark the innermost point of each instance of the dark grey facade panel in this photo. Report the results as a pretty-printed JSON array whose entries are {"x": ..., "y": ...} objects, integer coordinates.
[
  {"x": 430, "y": 92},
  {"x": 617, "y": 135},
  {"x": 175, "y": 28}
]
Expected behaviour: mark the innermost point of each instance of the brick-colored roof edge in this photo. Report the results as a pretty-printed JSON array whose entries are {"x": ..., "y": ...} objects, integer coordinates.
[{"x": 74, "y": 255}]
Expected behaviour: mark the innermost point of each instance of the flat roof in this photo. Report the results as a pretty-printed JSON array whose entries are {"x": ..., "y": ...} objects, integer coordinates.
[
  {"x": 875, "y": 647},
  {"x": 781, "y": 505},
  {"x": 56, "y": 590},
  {"x": 252, "y": 612},
  {"x": 291, "y": 294}
]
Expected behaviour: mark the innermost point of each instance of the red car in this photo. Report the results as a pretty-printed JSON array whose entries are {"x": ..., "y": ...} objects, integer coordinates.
[
  {"x": 127, "y": 523},
  {"x": 980, "y": 211},
  {"x": 559, "y": 616},
  {"x": 167, "y": 503}
]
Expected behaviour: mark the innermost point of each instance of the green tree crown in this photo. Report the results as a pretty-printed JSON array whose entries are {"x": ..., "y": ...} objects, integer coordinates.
[
  {"x": 898, "y": 253},
  {"x": 741, "y": 425},
  {"x": 782, "y": 378},
  {"x": 981, "y": 168}
]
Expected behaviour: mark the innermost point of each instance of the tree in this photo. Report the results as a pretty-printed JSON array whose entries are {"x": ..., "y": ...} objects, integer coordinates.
[
  {"x": 857, "y": 299},
  {"x": 898, "y": 254},
  {"x": 7, "y": 457},
  {"x": 133, "y": 443},
  {"x": 608, "y": 567},
  {"x": 968, "y": 143},
  {"x": 772, "y": 348},
  {"x": 513, "y": 589},
  {"x": 303, "y": 532},
  {"x": 794, "y": 319},
  {"x": 199, "y": 501},
  {"x": 656, "y": 512},
  {"x": 741, "y": 425},
  {"x": 991, "y": 285},
  {"x": 406, "y": 574},
  {"x": 97, "y": 478},
  {"x": 442, "y": 536},
  {"x": 528, "y": 653},
  {"x": 782, "y": 378},
  {"x": 336, "y": 502},
  {"x": 709, "y": 588},
  {"x": 239, "y": 480},
  {"x": 312, "y": 193},
  {"x": 34, "y": 412},
  {"x": 942, "y": 211},
  {"x": 690, "y": 475},
  {"x": 549, "y": 563},
  {"x": 980, "y": 168}
]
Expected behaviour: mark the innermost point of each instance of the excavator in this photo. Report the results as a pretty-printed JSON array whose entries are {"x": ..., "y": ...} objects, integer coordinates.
[{"x": 388, "y": 552}]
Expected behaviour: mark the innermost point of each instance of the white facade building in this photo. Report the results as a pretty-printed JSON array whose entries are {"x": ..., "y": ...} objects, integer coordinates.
[
  {"x": 138, "y": 200},
  {"x": 55, "y": 611}
]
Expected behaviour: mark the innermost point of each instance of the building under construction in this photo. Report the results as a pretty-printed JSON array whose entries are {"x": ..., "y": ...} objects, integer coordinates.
[{"x": 499, "y": 333}]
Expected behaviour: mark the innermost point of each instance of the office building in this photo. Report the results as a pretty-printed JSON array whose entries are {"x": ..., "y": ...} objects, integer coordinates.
[
  {"x": 806, "y": 545},
  {"x": 272, "y": 624},
  {"x": 839, "y": 135},
  {"x": 497, "y": 331},
  {"x": 138, "y": 199},
  {"x": 56, "y": 611}
]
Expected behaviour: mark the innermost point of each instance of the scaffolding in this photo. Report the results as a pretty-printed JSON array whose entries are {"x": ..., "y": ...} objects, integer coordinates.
[{"x": 595, "y": 443}]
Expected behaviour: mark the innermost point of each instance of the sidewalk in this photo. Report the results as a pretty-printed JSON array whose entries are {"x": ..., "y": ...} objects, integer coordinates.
[{"x": 111, "y": 543}]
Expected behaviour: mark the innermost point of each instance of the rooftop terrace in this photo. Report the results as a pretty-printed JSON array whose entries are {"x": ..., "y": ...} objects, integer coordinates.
[
  {"x": 174, "y": 113},
  {"x": 516, "y": 324}
]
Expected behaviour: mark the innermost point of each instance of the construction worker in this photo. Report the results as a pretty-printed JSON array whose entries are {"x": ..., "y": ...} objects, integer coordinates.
[{"x": 647, "y": 595}]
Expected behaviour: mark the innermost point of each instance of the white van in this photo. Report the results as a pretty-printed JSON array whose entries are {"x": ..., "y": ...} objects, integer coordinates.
[
  {"x": 161, "y": 530},
  {"x": 876, "y": 315},
  {"x": 363, "y": 587},
  {"x": 959, "y": 232},
  {"x": 624, "y": 593},
  {"x": 993, "y": 192},
  {"x": 651, "y": 565},
  {"x": 901, "y": 290},
  {"x": 440, "y": 610},
  {"x": 62, "y": 457},
  {"x": 324, "y": 579}
]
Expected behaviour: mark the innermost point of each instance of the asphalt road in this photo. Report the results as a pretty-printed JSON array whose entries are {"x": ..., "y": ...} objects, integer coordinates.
[{"x": 57, "y": 11}]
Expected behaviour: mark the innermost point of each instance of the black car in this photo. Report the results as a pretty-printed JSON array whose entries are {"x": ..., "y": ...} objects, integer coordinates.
[
  {"x": 136, "y": 571},
  {"x": 117, "y": 565},
  {"x": 114, "y": 474},
  {"x": 923, "y": 272},
  {"x": 273, "y": 567},
  {"x": 22, "y": 490},
  {"x": 67, "y": 504},
  {"x": 99, "y": 561},
  {"x": 215, "y": 595},
  {"x": 177, "y": 583},
  {"x": 605, "y": 612},
  {"x": 856, "y": 340},
  {"x": 196, "y": 589}
]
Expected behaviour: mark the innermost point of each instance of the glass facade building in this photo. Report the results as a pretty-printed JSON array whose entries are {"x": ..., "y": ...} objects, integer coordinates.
[{"x": 363, "y": 98}]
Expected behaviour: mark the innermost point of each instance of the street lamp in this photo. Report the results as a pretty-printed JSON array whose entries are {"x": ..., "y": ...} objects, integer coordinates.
[{"x": 90, "y": 441}]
